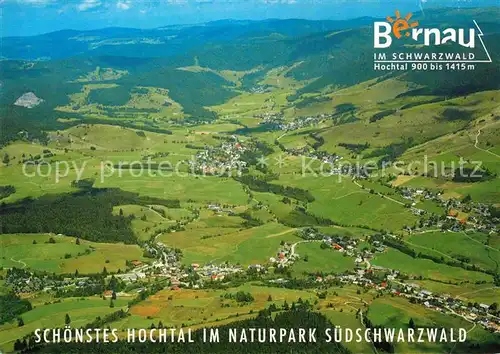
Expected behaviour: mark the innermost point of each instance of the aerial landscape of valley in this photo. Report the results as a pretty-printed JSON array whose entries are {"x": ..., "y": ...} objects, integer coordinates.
[{"x": 238, "y": 174}]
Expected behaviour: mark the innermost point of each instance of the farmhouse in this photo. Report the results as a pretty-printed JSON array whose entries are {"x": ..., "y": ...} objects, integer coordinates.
[{"x": 136, "y": 263}]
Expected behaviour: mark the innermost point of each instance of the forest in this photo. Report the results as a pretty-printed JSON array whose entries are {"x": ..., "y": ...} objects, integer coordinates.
[
  {"x": 12, "y": 306},
  {"x": 91, "y": 207},
  {"x": 259, "y": 185}
]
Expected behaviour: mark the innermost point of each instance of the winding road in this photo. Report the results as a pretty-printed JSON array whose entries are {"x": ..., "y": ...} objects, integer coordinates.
[
  {"x": 292, "y": 252},
  {"x": 20, "y": 262},
  {"x": 477, "y": 147},
  {"x": 281, "y": 233}
]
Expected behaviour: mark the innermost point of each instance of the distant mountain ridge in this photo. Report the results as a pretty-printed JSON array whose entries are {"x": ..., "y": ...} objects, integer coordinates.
[
  {"x": 320, "y": 55},
  {"x": 158, "y": 42}
]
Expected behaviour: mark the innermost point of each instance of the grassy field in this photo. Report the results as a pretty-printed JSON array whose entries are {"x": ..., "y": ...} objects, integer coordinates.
[
  {"x": 395, "y": 312},
  {"x": 481, "y": 293},
  {"x": 450, "y": 147},
  {"x": 394, "y": 259},
  {"x": 147, "y": 219},
  {"x": 344, "y": 202},
  {"x": 475, "y": 144},
  {"x": 248, "y": 104},
  {"x": 353, "y": 232},
  {"x": 456, "y": 244},
  {"x": 81, "y": 311},
  {"x": 347, "y": 319},
  {"x": 19, "y": 250},
  {"x": 229, "y": 75},
  {"x": 274, "y": 204},
  {"x": 246, "y": 246},
  {"x": 190, "y": 307},
  {"x": 484, "y": 192},
  {"x": 142, "y": 104},
  {"x": 320, "y": 260},
  {"x": 185, "y": 188},
  {"x": 83, "y": 150},
  {"x": 195, "y": 307},
  {"x": 418, "y": 122}
]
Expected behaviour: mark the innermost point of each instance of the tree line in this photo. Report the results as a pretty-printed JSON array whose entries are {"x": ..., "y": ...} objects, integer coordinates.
[
  {"x": 258, "y": 185},
  {"x": 87, "y": 214}
]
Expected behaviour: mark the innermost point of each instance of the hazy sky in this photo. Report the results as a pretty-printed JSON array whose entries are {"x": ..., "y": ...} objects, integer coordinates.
[{"x": 30, "y": 17}]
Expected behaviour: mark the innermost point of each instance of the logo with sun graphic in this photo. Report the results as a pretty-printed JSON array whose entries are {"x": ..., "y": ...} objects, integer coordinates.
[
  {"x": 401, "y": 24},
  {"x": 448, "y": 48}
]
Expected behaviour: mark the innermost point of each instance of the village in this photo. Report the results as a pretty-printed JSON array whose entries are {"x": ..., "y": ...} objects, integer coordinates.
[
  {"x": 219, "y": 160},
  {"x": 167, "y": 265},
  {"x": 276, "y": 121},
  {"x": 460, "y": 214},
  {"x": 366, "y": 275},
  {"x": 386, "y": 280}
]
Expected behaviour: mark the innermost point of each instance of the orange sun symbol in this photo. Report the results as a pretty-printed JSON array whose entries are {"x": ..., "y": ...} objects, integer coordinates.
[{"x": 401, "y": 24}]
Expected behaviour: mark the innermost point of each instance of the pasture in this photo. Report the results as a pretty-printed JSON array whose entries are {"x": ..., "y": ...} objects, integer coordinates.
[
  {"x": 190, "y": 307},
  {"x": 396, "y": 312},
  {"x": 50, "y": 315},
  {"x": 347, "y": 319},
  {"x": 427, "y": 269},
  {"x": 193, "y": 308},
  {"x": 469, "y": 246},
  {"x": 244, "y": 246},
  {"x": 481, "y": 293},
  {"x": 33, "y": 251},
  {"x": 320, "y": 260},
  {"x": 344, "y": 202}
]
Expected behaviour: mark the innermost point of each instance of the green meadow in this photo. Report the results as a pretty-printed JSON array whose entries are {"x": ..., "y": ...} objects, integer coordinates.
[
  {"x": 191, "y": 307},
  {"x": 460, "y": 244},
  {"x": 33, "y": 251},
  {"x": 427, "y": 269},
  {"x": 482, "y": 293},
  {"x": 342, "y": 201},
  {"x": 243, "y": 246},
  {"x": 347, "y": 319},
  {"x": 395, "y": 312},
  {"x": 314, "y": 259},
  {"x": 51, "y": 315}
]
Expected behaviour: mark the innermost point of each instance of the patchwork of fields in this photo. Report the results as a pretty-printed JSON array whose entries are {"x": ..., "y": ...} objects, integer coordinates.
[{"x": 254, "y": 173}]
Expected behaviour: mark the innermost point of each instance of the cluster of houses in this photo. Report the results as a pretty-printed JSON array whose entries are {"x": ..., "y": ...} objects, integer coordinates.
[
  {"x": 415, "y": 194},
  {"x": 216, "y": 208},
  {"x": 276, "y": 119},
  {"x": 216, "y": 272},
  {"x": 479, "y": 313},
  {"x": 461, "y": 213},
  {"x": 340, "y": 244},
  {"x": 323, "y": 156},
  {"x": 284, "y": 257},
  {"x": 269, "y": 117},
  {"x": 214, "y": 160},
  {"x": 24, "y": 281},
  {"x": 482, "y": 314},
  {"x": 260, "y": 89},
  {"x": 166, "y": 264}
]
